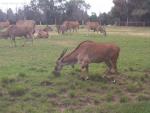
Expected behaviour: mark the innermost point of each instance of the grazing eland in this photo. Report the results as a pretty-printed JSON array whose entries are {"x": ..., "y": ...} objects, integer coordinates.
[{"x": 88, "y": 52}]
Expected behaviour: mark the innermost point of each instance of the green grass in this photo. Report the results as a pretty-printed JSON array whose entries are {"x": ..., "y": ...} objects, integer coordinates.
[{"x": 27, "y": 84}]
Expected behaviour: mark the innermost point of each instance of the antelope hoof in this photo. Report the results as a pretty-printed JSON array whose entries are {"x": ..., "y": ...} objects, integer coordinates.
[
  {"x": 87, "y": 78},
  {"x": 84, "y": 78}
]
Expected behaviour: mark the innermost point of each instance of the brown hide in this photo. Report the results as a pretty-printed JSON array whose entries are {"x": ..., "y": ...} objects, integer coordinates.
[
  {"x": 47, "y": 29},
  {"x": 23, "y": 28},
  {"x": 101, "y": 29},
  {"x": 92, "y": 25},
  {"x": 95, "y": 26},
  {"x": 71, "y": 25},
  {"x": 61, "y": 28},
  {"x": 43, "y": 34},
  {"x": 28, "y": 24},
  {"x": 15, "y": 30},
  {"x": 91, "y": 52}
]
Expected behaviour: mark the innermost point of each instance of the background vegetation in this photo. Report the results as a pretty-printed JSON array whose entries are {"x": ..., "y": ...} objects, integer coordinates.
[
  {"x": 124, "y": 12},
  {"x": 28, "y": 86}
]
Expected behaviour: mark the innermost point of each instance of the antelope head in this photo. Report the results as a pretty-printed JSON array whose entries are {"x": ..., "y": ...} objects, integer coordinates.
[{"x": 59, "y": 63}]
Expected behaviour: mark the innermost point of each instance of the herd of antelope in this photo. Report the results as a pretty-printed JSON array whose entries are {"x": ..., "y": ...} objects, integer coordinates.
[
  {"x": 85, "y": 53},
  {"x": 29, "y": 30}
]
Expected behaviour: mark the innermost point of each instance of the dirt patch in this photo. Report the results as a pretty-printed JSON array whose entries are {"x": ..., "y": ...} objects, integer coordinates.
[
  {"x": 147, "y": 75},
  {"x": 147, "y": 71}
]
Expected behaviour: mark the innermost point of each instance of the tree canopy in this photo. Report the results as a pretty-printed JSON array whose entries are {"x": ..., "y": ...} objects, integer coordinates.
[
  {"x": 57, "y": 11},
  {"x": 134, "y": 10}
]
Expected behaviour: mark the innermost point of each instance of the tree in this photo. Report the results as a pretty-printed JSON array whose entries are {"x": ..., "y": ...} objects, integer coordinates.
[
  {"x": 105, "y": 18},
  {"x": 3, "y": 16},
  {"x": 93, "y": 17},
  {"x": 50, "y": 11},
  {"x": 120, "y": 9},
  {"x": 134, "y": 10},
  {"x": 20, "y": 14},
  {"x": 11, "y": 16},
  {"x": 76, "y": 10}
]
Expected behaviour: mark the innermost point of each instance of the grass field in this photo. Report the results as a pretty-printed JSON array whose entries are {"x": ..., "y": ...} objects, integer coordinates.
[{"x": 27, "y": 84}]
